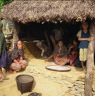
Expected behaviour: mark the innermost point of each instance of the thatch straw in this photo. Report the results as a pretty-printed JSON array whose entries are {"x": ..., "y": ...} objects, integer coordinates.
[{"x": 41, "y": 11}]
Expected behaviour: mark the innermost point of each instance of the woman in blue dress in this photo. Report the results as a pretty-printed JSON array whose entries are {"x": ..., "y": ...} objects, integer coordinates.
[{"x": 84, "y": 37}]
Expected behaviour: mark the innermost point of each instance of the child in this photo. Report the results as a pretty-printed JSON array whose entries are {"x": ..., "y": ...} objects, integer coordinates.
[
  {"x": 17, "y": 56},
  {"x": 73, "y": 53}
]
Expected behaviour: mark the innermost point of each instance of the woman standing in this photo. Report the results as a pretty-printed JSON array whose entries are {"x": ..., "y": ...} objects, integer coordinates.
[
  {"x": 84, "y": 38},
  {"x": 3, "y": 55}
]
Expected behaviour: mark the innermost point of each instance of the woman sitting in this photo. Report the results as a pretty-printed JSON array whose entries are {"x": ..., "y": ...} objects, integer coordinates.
[
  {"x": 60, "y": 54},
  {"x": 17, "y": 56}
]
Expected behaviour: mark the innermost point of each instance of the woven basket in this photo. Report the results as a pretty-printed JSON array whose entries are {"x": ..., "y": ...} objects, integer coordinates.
[{"x": 24, "y": 83}]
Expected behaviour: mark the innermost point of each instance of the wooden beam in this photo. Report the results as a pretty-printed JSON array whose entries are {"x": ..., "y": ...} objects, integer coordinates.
[{"x": 89, "y": 72}]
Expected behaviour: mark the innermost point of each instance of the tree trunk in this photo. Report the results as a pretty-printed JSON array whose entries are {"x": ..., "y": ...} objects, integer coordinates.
[{"x": 89, "y": 72}]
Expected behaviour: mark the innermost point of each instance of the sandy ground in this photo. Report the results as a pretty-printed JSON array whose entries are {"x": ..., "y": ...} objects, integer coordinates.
[{"x": 48, "y": 83}]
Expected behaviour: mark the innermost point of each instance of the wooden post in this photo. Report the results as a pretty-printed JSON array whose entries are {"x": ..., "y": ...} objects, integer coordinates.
[
  {"x": 15, "y": 38},
  {"x": 15, "y": 34},
  {"x": 89, "y": 72}
]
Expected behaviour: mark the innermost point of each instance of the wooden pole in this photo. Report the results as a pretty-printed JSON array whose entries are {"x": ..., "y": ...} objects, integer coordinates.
[
  {"x": 89, "y": 72},
  {"x": 47, "y": 39},
  {"x": 15, "y": 35},
  {"x": 15, "y": 38}
]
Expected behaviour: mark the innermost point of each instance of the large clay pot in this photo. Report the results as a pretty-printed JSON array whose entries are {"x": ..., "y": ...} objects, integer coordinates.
[{"x": 24, "y": 83}]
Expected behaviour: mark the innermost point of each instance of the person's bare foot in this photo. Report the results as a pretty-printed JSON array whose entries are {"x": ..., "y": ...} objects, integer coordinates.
[
  {"x": 1, "y": 77},
  {"x": 4, "y": 73}
]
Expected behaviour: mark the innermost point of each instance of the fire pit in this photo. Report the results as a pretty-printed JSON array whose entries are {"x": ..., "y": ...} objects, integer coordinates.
[{"x": 24, "y": 83}]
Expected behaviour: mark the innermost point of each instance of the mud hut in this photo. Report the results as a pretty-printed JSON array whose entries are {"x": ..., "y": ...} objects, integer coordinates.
[{"x": 51, "y": 11}]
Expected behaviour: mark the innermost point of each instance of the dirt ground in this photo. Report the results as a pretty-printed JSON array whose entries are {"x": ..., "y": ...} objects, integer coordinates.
[{"x": 48, "y": 83}]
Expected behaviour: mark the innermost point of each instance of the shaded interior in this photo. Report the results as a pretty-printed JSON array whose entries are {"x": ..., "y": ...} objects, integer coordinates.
[{"x": 35, "y": 31}]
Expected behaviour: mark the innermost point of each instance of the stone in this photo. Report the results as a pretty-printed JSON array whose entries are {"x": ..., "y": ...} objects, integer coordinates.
[
  {"x": 93, "y": 89},
  {"x": 77, "y": 94},
  {"x": 81, "y": 86},
  {"x": 79, "y": 82},
  {"x": 82, "y": 94}
]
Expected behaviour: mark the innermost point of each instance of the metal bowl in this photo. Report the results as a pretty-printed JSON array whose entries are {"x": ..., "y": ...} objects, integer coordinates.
[{"x": 58, "y": 68}]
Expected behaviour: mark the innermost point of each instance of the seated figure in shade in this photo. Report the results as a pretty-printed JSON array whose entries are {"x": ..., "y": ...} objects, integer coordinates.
[
  {"x": 17, "y": 56},
  {"x": 45, "y": 51},
  {"x": 73, "y": 53},
  {"x": 60, "y": 54}
]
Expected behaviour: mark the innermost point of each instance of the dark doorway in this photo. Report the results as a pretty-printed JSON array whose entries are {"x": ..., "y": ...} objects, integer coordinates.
[{"x": 35, "y": 31}]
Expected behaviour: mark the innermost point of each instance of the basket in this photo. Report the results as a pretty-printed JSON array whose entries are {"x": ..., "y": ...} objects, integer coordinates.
[{"x": 24, "y": 83}]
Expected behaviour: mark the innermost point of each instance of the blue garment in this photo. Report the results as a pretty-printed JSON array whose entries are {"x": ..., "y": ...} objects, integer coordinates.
[
  {"x": 84, "y": 43},
  {"x": 4, "y": 59},
  {"x": 3, "y": 52}
]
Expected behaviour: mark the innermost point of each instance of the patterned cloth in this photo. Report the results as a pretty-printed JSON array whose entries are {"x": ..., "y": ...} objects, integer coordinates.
[
  {"x": 21, "y": 63},
  {"x": 83, "y": 54},
  {"x": 17, "y": 53}
]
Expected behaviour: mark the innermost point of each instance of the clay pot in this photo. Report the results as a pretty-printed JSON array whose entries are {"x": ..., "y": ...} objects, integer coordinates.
[{"x": 24, "y": 83}]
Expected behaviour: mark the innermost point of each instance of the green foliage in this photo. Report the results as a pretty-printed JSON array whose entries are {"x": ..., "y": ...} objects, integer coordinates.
[{"x": 3, "y": 2}]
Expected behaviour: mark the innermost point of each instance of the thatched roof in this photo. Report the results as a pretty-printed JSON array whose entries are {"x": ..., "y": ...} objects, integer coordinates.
[{"x": 52, "y": 10}]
